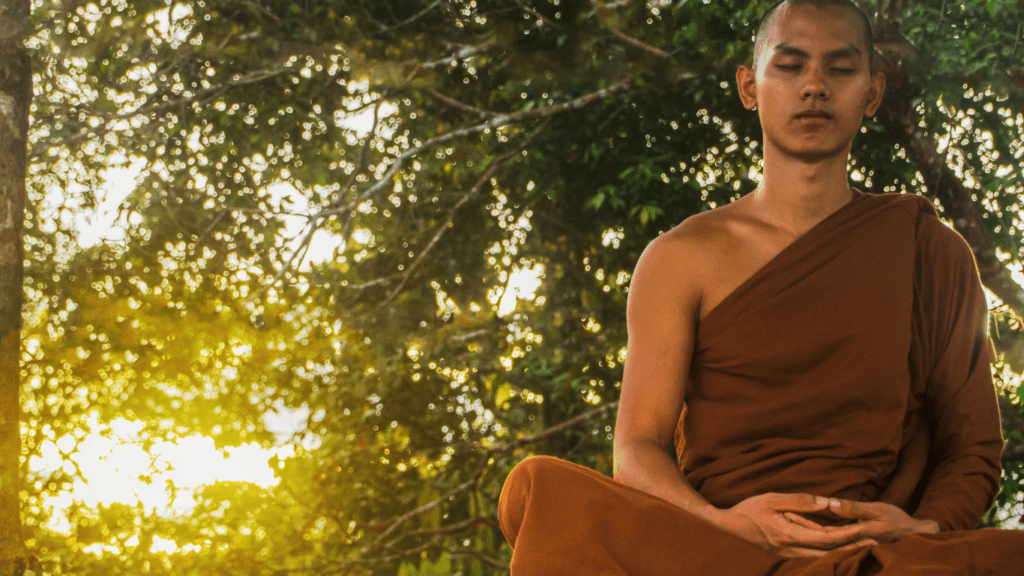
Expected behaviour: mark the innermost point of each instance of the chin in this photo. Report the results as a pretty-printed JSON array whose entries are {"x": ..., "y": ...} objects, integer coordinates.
[{"x": 816, "y": 151}]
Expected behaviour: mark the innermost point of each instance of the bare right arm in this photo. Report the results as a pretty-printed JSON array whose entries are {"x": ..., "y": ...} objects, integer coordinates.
[
  {"x": 664, "y": 302},
  {"x": 662, "y": 315}
]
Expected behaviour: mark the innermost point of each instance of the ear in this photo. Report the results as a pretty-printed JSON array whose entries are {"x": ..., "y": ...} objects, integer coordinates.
[
  {"x": 875, "y": 94},
  {"x": 746, "y": 82}
]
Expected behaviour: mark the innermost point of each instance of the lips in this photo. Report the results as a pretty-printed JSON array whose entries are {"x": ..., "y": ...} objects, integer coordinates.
[{"x": 814, "y": 114}]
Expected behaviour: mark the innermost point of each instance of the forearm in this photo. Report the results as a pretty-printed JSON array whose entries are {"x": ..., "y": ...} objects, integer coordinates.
[
  {"x": 646, "y": 466},
  {"x": 957, "y": 497}
]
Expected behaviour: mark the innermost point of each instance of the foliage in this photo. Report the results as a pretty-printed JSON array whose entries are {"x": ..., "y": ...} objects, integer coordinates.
[{"x": 507, "y": 136}]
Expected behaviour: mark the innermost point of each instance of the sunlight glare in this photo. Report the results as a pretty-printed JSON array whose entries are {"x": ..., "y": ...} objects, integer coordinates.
[{"x": 116, "y": 468}]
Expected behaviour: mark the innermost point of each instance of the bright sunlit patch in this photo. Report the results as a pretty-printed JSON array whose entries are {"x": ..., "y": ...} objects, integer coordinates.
[
  {"x": 170, "y": 24},
  {"x": 522, "y": 285},
  {"x": 362, "y": 236},
  {"x": 612, "y": 237},
  {"x": 102, "y": 223},
  {"x": 322, "y": 246},
  {"x": 118, "y": 469}
]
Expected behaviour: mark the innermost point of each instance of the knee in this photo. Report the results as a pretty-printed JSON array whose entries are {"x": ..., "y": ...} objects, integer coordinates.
[
  {"x": 535, "y": 469},
  {"x": 521, "y": 487},
  {"x": 522, "y": 478}
]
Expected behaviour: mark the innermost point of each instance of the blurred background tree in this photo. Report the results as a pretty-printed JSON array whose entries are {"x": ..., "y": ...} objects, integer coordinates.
[
  {"x": 412, "y": 224},
  {"x": 15, "y": 99}
]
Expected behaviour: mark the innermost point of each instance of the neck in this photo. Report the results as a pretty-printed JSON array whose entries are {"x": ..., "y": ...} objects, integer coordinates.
[{"x": 796, "y": 194}]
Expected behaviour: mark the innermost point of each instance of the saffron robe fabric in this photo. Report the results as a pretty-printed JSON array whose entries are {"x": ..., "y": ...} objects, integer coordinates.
[{"x": 854, "y": 364}]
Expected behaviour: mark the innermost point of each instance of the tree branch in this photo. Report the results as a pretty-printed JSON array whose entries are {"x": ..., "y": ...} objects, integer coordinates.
[
  {"x": 199, "y": 97},
  {"x": 638, "y": 43},
  {"x": 456, "y": 104},
  {"x": 485, "y": 178},
  {"x": 314, "y": 220},
  {"x": 496, "y": 122},
  {"x": 507, "y": 447},
  {"x": 394, "y": 523},
  {"x": 413, "y": 18},
  {"x": 462, "y": 54}
]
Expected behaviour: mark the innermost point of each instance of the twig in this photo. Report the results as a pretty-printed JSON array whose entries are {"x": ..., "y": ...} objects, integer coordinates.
[
  {"x": 496, "y": 122},
  {"x": 456, "y": 104},
  {"x": 608, "y": 6},
  {"x": 313, "y": 221},
  {"x": 556, "y": 428},
  {"x": 394, "y": 523},
  {"x": 938, "y": 27},
  {"x": 470, "y": 553},
  {"x": 469, "y": 335},
  {"x": 467, "y": 523},
  {"x": 256, "y": 8},
  {"x": 639, "y": 44},
  {"x": 209, "y": 228},
  {"x": 346, "y": 230},
  {"x": 609, "y": 119},
  {"x": 412, "y": 18},
  {"x": 374, "y": 282},
  {"x": 485, "y": 178},
  {"x": 1015, "y": 43},
  {"x": 536, "y": 14},
  {"x": 264, "y": 212},
  {"x": 463, "y": 54},
  {"x": 199, "y": 97}
]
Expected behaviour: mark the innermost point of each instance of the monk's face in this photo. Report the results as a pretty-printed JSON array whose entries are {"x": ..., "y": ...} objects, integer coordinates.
[{"x": 812, "y": 83}]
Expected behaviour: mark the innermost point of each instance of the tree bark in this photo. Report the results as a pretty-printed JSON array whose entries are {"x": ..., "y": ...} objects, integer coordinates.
[
  {"x": 15, "y": 101},
  {"x": 956, "y": 200}
]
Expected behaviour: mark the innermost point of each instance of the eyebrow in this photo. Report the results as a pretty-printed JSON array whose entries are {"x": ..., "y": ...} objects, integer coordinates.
[{"x": 846, "y": 52}]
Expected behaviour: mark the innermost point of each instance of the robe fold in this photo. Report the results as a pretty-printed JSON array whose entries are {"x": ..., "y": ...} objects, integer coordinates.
[{"x": 854, "y": 364}]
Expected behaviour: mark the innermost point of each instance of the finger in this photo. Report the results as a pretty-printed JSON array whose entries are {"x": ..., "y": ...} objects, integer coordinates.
[
  {"x": 834, "y": 527},
  {"x": 800, "y": 520},
  {"x": 876, "y": 530},
  {"x": 858, "y": 544},
  {"x": 800, "y": 552},
  {"x": 852, "y": 509},
  {"x": 811, "y": 538},
  {"x": 797, "y": 551},
  {"x": 798, "y": 503}
]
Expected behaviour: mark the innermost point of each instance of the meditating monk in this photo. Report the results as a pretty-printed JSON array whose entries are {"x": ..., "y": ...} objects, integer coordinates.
[{"x": 816, "y": 357}]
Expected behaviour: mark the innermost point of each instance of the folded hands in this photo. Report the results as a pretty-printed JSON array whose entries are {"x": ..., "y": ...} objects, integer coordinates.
[{"x": 776, "y": 522}]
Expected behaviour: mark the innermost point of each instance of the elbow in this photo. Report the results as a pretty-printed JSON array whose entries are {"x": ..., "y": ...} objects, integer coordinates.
[
  {"x": 628, "y": 454},
  {"x": 623, "y": 455}
]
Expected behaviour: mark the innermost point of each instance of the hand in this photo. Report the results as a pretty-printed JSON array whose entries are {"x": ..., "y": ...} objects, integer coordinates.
[
  {"x": 882, "y": 522},
  {"x": 772, "y": 522}
]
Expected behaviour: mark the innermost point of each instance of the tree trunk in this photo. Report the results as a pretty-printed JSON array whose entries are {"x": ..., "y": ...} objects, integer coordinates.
[{"x": 15, "y": 99}]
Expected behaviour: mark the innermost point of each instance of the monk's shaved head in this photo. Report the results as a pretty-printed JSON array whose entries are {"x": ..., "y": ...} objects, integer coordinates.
[{"x": 857, "y": 18}]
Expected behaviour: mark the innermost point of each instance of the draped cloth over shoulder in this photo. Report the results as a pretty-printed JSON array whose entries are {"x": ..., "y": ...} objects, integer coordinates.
[
  {"x": 854, "y": 364},
  {"x": 834, "y": 367}
]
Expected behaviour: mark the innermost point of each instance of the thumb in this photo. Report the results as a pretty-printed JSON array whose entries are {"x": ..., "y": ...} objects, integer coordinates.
[
  {"x": 799, "y": 503},
  {"x": 851, "y": 509}
]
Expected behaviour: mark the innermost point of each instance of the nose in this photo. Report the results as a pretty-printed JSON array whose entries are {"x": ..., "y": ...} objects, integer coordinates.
[{"x": 814, "y": 85}]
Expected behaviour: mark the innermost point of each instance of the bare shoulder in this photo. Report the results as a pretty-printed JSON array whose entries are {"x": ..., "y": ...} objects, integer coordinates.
[
  {"x": 662, "y": 317},
  {"x": 692, "y": 246}
]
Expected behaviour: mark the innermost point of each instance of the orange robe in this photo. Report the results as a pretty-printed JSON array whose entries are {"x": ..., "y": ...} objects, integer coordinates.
[{"x": 854, "y": 364}]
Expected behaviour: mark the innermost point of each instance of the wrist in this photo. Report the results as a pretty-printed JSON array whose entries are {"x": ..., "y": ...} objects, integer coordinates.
[
  {"x": 926, "y": 526},
  {"x": 722, "y": 518},
  {"x": 708, "y": 512}
]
